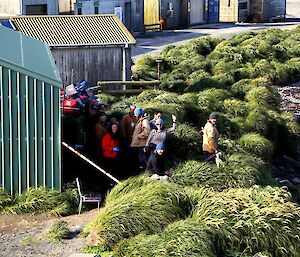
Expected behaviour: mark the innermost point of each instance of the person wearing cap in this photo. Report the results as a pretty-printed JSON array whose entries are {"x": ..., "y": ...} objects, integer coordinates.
[
  {"x": 140, "y": 134},
  {"x": 159, "y": 135},
  {"x": 156, "y": 163},
  {"x": 210, "y": 137},
  {"x": 157, "y": 115},
  {"x": 127, "y": 125}
]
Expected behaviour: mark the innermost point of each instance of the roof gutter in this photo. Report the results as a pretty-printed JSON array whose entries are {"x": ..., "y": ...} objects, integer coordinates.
[{"x": 94, "y": 45}]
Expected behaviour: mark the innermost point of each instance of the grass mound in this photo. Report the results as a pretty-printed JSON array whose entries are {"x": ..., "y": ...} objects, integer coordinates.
[
  {"x": 257, "y": 145},
  {"x": 234, "y": 173},
  {"x": 253, "y": 220},
  {"x": 43, "y": 200},
  {"x": 147, "y": 210},
  {"x": 183, "y": 238},
  {"x": 184, "y": 143},
  {"x": 59, "y": 230}
]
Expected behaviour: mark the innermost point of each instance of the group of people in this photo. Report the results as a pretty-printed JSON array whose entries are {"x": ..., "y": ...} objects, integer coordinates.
[
  {"x": 134, "y": 145},
  {"x": 141, "y": 142},
  {"x": 137, "y": 141}
]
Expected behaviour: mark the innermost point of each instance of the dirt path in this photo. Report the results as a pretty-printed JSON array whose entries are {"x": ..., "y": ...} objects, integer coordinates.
[{"x": 24, "y": 235}]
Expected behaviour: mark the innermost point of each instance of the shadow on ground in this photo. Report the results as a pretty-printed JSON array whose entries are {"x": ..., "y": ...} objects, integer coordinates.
[{"x": 154, "y": 40}]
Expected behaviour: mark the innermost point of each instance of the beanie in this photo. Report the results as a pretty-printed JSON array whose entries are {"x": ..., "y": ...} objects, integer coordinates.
[
  {"x": 160, "y": 146},
  {"x": 138, "y": 111},
  {"x": 159, "y": 122},
  {"x": 213, "y": 115}
]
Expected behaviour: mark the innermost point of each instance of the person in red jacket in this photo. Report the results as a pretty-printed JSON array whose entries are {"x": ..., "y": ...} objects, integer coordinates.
[{"x": 111, "y": 149}]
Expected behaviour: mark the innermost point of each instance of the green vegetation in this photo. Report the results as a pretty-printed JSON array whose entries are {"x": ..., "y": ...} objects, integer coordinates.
[
  {"x": 41, "y": 200},
  {"x": 235, "y": 210},
  {"x": 59, "y": 230},
  {"x": 146, "y": 209},
  {"x": 205, "y": 210}
]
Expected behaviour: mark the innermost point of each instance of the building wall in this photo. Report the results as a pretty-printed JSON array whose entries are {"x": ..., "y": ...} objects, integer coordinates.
[
  {"x": 92, "y": 64},
  {"x": 228, "y": 10},
  {"x": 244, "y": 10},
  {"x": 274, "y": 9},
  {"x": 12, "y": 7},
  {"x": 171, "y": 10},
  {"x": 256, "y": 10},
  {"x": 29, "y": 132},
  {"x": 130, "y": 12},
  {"x": 52, "y": 5},
  {"x": 196, "y": 11},
  {"x": 66, "y": 6}
]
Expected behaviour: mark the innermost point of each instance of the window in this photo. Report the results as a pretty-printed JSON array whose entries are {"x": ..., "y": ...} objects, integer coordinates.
[
  {"x": 38, "y": 9},
  {"x": 243, "y": 6},
  {"x": 79, "y": 11},
  {"x": 96, "y": 10}
]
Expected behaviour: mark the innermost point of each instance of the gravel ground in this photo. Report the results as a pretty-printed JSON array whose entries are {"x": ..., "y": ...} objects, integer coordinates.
[
  {"x": 25, "y": 235},
  {"x": 290, "y": 98}
]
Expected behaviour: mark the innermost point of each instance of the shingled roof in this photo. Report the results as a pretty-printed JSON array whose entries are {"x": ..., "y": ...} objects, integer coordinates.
[{"x": 75, "y": 30}]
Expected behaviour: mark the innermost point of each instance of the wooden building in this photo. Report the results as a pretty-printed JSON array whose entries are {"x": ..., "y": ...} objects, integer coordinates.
[
  {"x": 170, "y": 11},
  {"x": 10, "y": 7},
  {"x": 36, "y": 7},
  {"x": 267, "y": 10},
  {"x": 40, "y": 7},
  {"x": 91, "y": 47},
  {"x": 130, "y": 12},
  {"x": 234, "y": 10},
  {"x": 252, "y": 10},
  {"x": 193, "y": 12}
]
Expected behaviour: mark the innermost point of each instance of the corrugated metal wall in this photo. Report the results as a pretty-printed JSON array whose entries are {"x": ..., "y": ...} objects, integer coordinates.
[
  {"x": 90, "y": 63},
  {"x": 29, "y": 132}
]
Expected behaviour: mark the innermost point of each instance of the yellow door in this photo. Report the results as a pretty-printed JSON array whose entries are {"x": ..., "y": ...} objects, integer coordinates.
[{"x": 151, "y": 12}]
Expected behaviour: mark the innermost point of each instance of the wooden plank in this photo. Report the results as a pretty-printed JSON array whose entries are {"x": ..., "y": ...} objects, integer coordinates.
[
  {"x": 125, "y": 92},
  {"x": 151, "y": 12}
]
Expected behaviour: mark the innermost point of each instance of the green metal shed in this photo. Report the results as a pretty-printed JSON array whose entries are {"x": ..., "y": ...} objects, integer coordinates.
[{"x": 30, "y": 141}]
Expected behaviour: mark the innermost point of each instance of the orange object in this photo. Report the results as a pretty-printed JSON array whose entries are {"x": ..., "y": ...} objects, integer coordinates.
[{"x": 108, "y": 143}]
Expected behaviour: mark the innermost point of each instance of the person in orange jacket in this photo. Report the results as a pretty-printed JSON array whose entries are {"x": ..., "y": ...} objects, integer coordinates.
[
  {"x": 111, "y": 149},
  {"x": 210, "y": 137}
]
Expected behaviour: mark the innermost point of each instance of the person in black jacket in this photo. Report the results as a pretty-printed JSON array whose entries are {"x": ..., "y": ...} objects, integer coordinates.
[{"x": 156, "y": 162}]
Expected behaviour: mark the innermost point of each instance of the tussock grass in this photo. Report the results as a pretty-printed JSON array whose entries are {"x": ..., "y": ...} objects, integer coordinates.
[
  {"x": 261, "y": 96},
  {"x": 183, "y": 238},
  {"x": 43, "y": 200},
  {"x": 184, "y": 143},
  {"x": 239, "y": 171},
  {"x": 253, "y": 220},
  {"x": 59, "y": 230},
  {"x": 5, "y": 199},
  {"x": 147, "y": 210},
  {"x": 257, "y": 144}
]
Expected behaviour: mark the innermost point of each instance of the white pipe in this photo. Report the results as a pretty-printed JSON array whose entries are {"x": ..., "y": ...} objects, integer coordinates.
[{"x": 90, "y": 162}]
